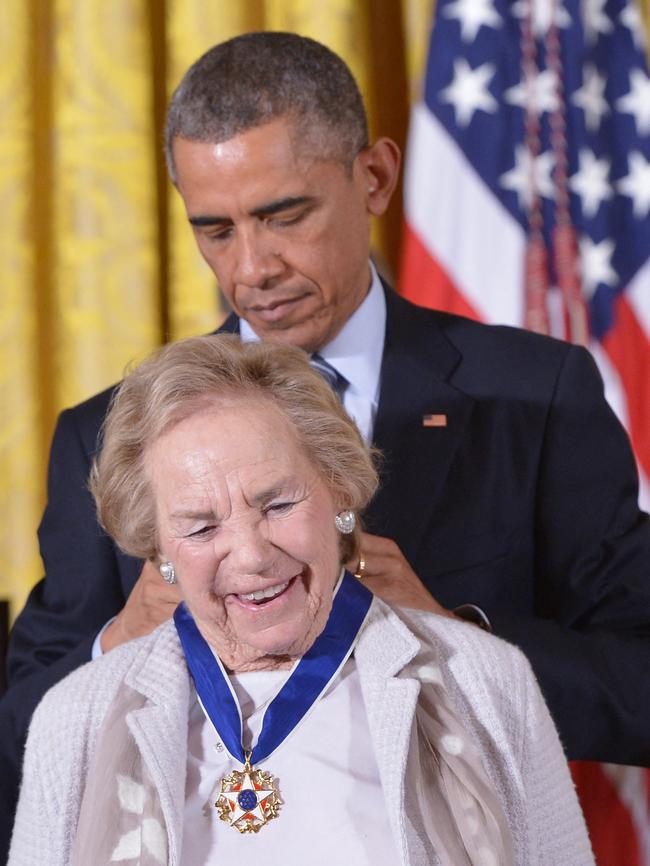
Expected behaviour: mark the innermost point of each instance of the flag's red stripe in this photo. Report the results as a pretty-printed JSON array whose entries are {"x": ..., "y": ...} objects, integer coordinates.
[
  {"x": 628, "y": 348},
  {"x": 613, "y": 835},
  {"x": 423, "y": 281}
]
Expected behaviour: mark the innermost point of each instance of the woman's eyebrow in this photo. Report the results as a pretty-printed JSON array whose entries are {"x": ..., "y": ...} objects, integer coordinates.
[
  {"x": 192, "y": 514},
  {"x": 278, "y": 488}
]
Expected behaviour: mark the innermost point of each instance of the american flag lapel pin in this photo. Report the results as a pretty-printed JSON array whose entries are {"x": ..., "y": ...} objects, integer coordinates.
[{"x": 434, "y": 420}]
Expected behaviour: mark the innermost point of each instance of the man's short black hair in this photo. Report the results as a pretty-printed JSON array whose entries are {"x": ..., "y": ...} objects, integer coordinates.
[{"x": 258, "y": 77}]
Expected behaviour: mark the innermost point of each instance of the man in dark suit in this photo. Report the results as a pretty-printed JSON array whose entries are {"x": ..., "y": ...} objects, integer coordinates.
[{"x": 506, "y": 480}]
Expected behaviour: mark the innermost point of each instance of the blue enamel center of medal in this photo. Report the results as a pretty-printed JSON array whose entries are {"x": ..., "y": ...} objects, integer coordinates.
[{"x": 247, "y": 799}]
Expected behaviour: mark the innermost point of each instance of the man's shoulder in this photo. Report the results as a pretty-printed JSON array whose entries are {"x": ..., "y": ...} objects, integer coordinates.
[
  {"x": 484, "y": 359},
  {"x": 465, "y": 332}
]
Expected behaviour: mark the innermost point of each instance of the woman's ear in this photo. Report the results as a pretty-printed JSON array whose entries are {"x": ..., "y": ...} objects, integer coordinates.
[{"x": 380, "y": 163}]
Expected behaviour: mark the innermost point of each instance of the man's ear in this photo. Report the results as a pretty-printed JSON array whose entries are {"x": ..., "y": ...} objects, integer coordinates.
[{"x": 379, "y": 163}]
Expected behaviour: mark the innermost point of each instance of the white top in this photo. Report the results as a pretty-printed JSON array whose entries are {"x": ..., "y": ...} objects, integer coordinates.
[
  {"x": 356, "y": 353},
  {"x": 326, "y": 774}
]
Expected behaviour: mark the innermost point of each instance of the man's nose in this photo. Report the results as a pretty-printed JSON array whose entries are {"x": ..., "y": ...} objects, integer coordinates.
[{"x": 257, "y": 261}]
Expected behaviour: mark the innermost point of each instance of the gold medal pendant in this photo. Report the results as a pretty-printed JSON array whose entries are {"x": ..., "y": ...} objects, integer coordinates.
[{"x": 248, "y": 799}]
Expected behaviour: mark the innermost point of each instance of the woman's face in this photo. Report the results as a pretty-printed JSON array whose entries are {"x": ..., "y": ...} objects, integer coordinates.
[{"x": 248, "y": 524}]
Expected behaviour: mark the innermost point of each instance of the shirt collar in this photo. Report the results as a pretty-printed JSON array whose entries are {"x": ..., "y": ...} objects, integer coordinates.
[{"x": 357, "y": 349}]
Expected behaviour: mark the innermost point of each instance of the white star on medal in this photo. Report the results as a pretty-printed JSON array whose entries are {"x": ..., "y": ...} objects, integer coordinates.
[{"x": 248, "y": 813}]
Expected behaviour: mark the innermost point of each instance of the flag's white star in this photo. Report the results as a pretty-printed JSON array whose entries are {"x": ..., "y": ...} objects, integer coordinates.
[
  {"x": 596, "y": 264},
  {"x": 468, "y": 91},
  {"x": 595, "y": 20},
  {"x": 636, "y": 184},
  {"x": 472, "y": 14},
  {"x": 631, "y": 18},
  {"x": 591, "y": 97},
  {"x": 637, "y": 100},
  {"x": 591, "y": 182},
  {"x": 540, "y": 93},
  {"x": 528, "y": 177},
  {"x": 542, "y": 14}
]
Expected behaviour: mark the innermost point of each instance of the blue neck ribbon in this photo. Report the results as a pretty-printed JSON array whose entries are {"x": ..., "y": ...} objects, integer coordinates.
[{"x": 301, "y": 691}]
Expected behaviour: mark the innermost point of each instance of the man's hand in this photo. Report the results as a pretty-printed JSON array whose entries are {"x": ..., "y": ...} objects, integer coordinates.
[
  {"x": 151, "y": 602},
  {"x": 387, "y": 573}
]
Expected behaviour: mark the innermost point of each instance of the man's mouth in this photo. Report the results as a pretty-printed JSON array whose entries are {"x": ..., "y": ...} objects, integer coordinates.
[
  {"x": 276, "y": 309},
  {"x": 262, "y": 595}
]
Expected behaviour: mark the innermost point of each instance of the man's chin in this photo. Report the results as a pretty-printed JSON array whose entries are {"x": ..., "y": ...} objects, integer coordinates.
[{"x": 303, "y": 334}]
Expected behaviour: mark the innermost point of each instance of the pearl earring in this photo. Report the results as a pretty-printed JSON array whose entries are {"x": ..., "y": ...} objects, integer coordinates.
[
  {"x": 345, "y": 521},
  {"x": 167, "y": 572}
]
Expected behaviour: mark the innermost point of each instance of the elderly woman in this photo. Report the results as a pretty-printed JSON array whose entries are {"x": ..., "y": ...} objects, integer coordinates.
[{"x": 285, "y": 714}]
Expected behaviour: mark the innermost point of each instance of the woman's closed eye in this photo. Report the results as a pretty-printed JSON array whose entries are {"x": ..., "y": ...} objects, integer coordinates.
[
  {"x": 203, "y": 531},
  {"x": 279, "y": 507}
]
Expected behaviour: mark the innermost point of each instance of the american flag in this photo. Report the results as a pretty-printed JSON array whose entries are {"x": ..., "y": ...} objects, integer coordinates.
[{"x": 527, "y": 202}]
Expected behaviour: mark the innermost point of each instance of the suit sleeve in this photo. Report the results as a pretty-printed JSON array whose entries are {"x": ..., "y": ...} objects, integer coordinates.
[
  {"x": 589, "y": 640},
  {"x": 81, "y": 589}
]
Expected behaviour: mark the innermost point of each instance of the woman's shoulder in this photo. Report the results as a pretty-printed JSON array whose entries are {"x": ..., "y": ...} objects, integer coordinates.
[
  {"x": 455, "y": 640},
  {"x": 476, "y": 667},
  {"x": 88, "y": 691}
]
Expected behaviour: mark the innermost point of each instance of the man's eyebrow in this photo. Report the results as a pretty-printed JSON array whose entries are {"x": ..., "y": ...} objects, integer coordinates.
[
  {"x": 281, "y": 204},
  {"x": 268, "y": 209}
]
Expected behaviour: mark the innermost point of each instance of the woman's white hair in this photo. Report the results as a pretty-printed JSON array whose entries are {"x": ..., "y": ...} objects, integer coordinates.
[{"x": 191, "y": 375}]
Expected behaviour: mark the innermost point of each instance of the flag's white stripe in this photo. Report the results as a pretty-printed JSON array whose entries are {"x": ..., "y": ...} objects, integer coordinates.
[
  {"x": 616, "y": 397},
  {"x": 631, "y": 786},
  {"x": 638, "y": 297},
  {"x": 614, "y": 390},
  {"x": 462, "y": 223}
]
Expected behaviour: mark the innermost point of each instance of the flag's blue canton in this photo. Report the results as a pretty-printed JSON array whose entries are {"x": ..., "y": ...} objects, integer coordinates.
[{"x": 474, "y": 86}]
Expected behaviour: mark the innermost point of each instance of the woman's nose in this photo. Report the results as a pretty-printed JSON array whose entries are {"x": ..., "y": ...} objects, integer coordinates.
[{"x": 250, "y": 551}]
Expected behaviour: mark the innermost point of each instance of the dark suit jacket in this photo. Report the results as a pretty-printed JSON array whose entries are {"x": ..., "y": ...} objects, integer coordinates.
[{"x": 525, "y": 503}]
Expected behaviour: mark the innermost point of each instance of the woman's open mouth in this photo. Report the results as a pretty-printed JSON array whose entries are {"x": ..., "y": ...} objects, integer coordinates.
[{"x": 262, "y": 596}]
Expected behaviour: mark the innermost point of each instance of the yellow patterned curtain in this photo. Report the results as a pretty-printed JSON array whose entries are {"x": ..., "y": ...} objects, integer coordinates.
[{"x": 97, "y": 265}]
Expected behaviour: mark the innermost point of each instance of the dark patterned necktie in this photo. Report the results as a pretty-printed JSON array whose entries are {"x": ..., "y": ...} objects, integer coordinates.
[{"x": 337, "y": 383}]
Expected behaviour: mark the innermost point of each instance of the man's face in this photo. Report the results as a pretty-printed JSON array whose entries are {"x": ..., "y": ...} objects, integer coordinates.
[{"x": 287, "y": 235}]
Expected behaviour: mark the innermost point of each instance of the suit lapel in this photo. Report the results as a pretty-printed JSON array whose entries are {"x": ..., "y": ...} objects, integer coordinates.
[
  {"x": 417, "y": 364},
  {"x": 230, "y": 326}
]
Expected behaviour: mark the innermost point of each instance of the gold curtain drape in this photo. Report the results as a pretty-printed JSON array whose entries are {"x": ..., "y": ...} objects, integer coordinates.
[{"x": 97, "y": 265}]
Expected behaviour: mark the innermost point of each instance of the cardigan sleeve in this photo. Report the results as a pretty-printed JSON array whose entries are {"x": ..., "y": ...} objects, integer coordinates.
[{"x": 35, "y": 828}]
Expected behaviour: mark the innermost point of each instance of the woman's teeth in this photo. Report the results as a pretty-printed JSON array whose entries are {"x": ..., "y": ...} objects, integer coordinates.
[{"x": 269, "y": 592}]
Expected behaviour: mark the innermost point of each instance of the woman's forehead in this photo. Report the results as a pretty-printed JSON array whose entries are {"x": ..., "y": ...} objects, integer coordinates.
[{"x": 247, "y": 441}]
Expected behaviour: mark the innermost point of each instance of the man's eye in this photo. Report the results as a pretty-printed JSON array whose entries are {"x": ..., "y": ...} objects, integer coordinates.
[
  {"x": 283, "y": 220},
  {"x": 218, "y": 234},
  {"x": 288, "y": 220}
]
